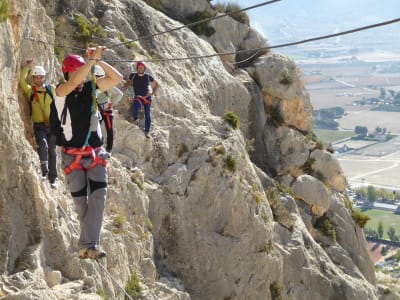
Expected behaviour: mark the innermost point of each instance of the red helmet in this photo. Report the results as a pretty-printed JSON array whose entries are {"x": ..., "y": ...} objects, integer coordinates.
[
  {"x": 72, "y": 62},
  {"x": 140, "y": 63}
]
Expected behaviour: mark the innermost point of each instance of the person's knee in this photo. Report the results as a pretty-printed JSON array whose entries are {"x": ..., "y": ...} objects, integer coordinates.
[
  {"x": 80, "y": 193},
  {"x": 96, "y": 185}
]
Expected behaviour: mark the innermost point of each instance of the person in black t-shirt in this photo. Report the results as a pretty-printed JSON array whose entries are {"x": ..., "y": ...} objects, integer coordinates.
[
  {"x": 141, "y": 82},
  {"x": 75, "y": 123}
]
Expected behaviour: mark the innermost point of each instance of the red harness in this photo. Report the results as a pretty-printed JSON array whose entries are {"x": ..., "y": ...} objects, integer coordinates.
[
  {"x": 79, "y": 153},
  {"x": 108, "y": 113},
  {"x": 143, "y": 99}
]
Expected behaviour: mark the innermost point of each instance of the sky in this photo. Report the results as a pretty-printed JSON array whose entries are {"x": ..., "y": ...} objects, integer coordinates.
[{"x": 310, "y": 18}]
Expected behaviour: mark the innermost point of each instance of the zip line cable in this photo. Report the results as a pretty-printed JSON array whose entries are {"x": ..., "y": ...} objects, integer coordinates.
[
  {"x": 197, "y": 22},
  {"x": 385, "y": 23},
  {"x": 269, "y": 47}
]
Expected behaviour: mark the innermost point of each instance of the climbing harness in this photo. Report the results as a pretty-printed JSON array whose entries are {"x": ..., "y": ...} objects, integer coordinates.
[
  {"x": 143, "y": 99},
  {"x": 80, "y": 153},
  {"x": 108, "y": 113}
]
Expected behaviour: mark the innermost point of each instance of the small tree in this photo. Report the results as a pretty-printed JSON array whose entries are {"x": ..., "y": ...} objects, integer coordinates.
[
  {"x": 392, "y": 233},
  {"x": 371, "y": 194},
  {"x": 361, "y": 130},
  {"x": 383, "y": 93},
  {"x": 380, "y": 229},
  {"x": 3, "y": 10}
]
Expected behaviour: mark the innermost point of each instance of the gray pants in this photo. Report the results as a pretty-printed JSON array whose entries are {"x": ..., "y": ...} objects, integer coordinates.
[
  {"x": 89, "y": 190},
  {"x": 46, "y": 150}
]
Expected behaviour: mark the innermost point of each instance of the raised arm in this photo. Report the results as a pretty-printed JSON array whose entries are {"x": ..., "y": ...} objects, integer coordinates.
[
  {"x": 112, "y": 77},
  {"x": 22, "y": 79},
  {"x": 75, "y": 78}
]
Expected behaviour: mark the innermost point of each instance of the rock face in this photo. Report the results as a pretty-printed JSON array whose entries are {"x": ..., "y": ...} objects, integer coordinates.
[{"x": 198, "y": 217}]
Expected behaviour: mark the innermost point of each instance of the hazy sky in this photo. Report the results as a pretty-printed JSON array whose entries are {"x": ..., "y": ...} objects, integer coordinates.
[{"x": 319, "y": 17}]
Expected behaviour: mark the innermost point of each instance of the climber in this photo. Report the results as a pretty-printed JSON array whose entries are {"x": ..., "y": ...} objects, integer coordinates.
[
  {"x": 141, "y": 82},
  {"x": 74, "y": 120},
  {"x": 106, "y": 100},
  {"x": 40, "y": 96}
]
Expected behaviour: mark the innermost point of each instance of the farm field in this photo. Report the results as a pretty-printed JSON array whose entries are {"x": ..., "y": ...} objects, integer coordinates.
[
  {"x": 330, "y": 136},
  {"x": 388, "y": 218},
  {"x": 340, "y": 81}
]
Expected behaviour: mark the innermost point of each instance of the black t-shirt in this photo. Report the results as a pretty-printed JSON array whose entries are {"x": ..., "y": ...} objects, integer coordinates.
[
  {"x": 74, "y": 115},
  {"x": 141, "y": 83}
]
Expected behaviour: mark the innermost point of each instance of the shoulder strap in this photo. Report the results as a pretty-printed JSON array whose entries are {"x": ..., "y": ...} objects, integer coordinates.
[
  {"x": 34, "y": 94},
  {"x": 48, "y": 89}
]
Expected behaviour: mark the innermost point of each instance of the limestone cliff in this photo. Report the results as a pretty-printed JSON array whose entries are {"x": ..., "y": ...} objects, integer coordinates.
[{"x": 190, "y": 213}]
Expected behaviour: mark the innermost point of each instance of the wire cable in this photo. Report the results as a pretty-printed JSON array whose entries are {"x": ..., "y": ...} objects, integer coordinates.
[
  {"x": 196, "y": 23},
  {"x": 385, "y": 23},
  {"x": 269, "y": 47}
]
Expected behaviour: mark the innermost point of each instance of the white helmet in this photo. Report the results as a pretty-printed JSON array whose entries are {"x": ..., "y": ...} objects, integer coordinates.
[
  {"x": 98, "y": 71},
  {"x": 38, "y": 71}
]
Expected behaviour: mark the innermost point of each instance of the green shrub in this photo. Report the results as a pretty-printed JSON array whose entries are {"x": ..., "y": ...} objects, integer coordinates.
[
  {"x": 202, "y": 28},
  {"x": 308, "y": 166},
  {"x": 324, "y": 224},
  {"x": 273, "y": 196},
  {"x": 232, "y": 119},
  {"x": 276, "y": 291},
  {"x": 119, "y": 222},
  {"x": 102, "y": 294},
  {"x": 360, "y": 218},
  {"x": 88, "y": 29},
  {"x": 230, "y": 163},
  {"x": 275, "y": 116},
  {"x": 133, "y": 287},
  {"x": 267, "y": 248},
  {"x": 348, "y": 204},
  {"x": 219, "y": 149},
  {"x": 128, "y": 44},
  {"x": 285, "y": 78},
  {"x": 3, "y": 10},
  {"x": 250, "y": 145},
  {"x": 240, "y": 16},
  {"x": 149, "y": 225},
  {"x": 256, "y": 194},
  {"x": 135, "y": 177},
  {"x": 286, "y": 190}
]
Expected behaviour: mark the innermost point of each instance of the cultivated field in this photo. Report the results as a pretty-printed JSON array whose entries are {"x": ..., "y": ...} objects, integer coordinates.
[
  {"x": 341, "y": 81},
  {"x": 388, "y": 219}
]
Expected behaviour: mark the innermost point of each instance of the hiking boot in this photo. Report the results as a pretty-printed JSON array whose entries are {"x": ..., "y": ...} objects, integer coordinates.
[
  {"x": 91, "y": 253},
  {"x": 147, "y": 134},
  {"x": 44, "y": 175},
  {"x": 53, "y": 183}
]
